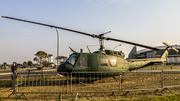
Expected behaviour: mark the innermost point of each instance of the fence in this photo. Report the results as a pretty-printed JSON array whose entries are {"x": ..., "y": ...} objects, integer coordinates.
[
  {"x": 142, "y": 80},
  {"x": 93, "y": 82},
  {"x": 171, "y": 79},
  {"x": 40, "y": 82}
]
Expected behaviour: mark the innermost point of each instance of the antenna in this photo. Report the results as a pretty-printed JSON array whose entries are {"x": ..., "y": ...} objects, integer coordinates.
[
  {"x": 89, "y": 49},
  {"x": 116, "y": 46}
]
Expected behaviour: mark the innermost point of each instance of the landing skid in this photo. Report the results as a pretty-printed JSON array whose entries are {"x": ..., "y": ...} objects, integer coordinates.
[{"x": 87, "y": 82}]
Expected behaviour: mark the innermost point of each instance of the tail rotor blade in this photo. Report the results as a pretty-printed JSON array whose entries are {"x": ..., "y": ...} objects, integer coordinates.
[
  {"x": 174, "y": 49},
  {"x": 170, "y": 46}
]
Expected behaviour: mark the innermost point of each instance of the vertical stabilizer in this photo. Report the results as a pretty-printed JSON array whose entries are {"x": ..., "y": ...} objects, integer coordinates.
[{"x": 165, "y": 53}]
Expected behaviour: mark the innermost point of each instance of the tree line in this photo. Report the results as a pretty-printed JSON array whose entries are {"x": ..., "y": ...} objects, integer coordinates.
[{"x": 40, "y": 58}]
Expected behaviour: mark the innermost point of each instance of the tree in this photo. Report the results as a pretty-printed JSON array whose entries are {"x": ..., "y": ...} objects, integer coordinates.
[
  {"x": 61, "y": 58},
  {"x": 36, "y": 59},
  {"x": 18, "y": 64},
  {"x": 30, "y": 63},
  {"x": 41, "y": 55},
  {"x": 25, "y": 63},
  {"x": 4, "y": 65},
  {"x": 45, "y": 62}
]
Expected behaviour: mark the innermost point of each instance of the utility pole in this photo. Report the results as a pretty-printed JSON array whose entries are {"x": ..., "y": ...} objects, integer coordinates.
[{"x": 57, "y": 47}]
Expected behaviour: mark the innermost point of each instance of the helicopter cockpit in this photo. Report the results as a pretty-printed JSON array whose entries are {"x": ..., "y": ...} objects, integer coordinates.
[
  {"x": 68, "y": 64},
  {"x": 75, "y": 60},
  {"x": 72, "y": 59}
]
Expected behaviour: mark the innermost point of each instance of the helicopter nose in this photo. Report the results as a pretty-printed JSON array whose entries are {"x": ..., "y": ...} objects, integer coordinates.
[
  {"x": 69, "y": 70},
  {"x": 64, "y": 68},
  {"x": 64, "y": 71}
]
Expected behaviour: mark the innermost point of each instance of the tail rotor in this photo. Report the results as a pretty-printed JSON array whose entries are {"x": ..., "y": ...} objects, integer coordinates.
[{"x": 170, "y": 47}]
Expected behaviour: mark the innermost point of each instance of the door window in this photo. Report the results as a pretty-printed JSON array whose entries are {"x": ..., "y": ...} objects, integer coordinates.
[{"x": 82, "y": 62}]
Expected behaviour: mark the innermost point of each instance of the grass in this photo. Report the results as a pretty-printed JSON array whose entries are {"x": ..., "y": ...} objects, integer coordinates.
[
  {"x": 131, "y": 80},
  {"x": 137, "y": 96},
  {"x": 164, "y": 98},
  {"x": 5, "y": 83},
  {"x": 0, "y": 98},
  {"x": 159, "y": 67}
]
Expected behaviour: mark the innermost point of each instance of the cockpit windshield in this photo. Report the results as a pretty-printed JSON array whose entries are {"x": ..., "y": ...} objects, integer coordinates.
[{"x": 72, "y": 59}]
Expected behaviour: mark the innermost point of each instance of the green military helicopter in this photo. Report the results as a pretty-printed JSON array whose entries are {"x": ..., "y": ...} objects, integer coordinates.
[
  {"x": 107, "y": 60},
  {"x": 103, "y": 60}
]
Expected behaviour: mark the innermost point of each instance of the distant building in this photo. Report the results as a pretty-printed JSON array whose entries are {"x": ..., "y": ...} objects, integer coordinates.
[
  {"x": 173, "y": 57},
  {"x": 50, "y": 59}
]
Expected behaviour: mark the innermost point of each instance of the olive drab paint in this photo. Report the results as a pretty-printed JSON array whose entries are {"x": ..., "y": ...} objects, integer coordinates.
[{"x": 107, "y": 60}]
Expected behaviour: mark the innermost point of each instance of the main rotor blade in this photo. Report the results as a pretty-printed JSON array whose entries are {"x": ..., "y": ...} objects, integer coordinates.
[
  {"x": 49, "y": 25},
  {"x": 132, "y": 43},
  {"x": 91, "y": 35}
]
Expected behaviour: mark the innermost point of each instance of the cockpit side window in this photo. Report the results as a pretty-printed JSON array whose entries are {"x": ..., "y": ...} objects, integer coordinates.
[
  {"x": 104, "y": 62},
  {"x": 113, "y": 62},
  {"x": 82, "y": 62},
  {"x": 72, "y": 59}
]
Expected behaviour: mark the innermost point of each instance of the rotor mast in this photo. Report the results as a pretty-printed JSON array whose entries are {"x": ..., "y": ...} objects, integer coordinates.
[{"x": 101, "y": 40}]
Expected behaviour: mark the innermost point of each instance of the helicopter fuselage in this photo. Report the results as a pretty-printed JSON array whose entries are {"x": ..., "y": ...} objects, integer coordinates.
[
  {"x": 97, "y": 61},
  {"x": 107, "y": 60}
]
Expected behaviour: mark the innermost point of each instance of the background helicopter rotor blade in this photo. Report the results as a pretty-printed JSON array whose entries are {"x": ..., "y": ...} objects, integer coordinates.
[{"x": 91, "y": 35}]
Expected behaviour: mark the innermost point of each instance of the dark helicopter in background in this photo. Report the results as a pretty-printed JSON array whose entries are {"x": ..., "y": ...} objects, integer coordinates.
[{"x": 103, "y": 60}]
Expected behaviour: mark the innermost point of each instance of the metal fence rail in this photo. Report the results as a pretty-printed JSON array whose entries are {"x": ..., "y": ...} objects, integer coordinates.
[
  {"x": 41, "y": 83},
  {"x": 93, "y": 82},
  {"x": 171, "y": 79},
  {"x": 88, "y": 82},
  {"x": 133, "y": 81},
  {"x": 141, "y": 80}
]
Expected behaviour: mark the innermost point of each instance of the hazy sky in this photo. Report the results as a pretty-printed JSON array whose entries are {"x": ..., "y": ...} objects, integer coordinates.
[{"x": 147, "y": 22}]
